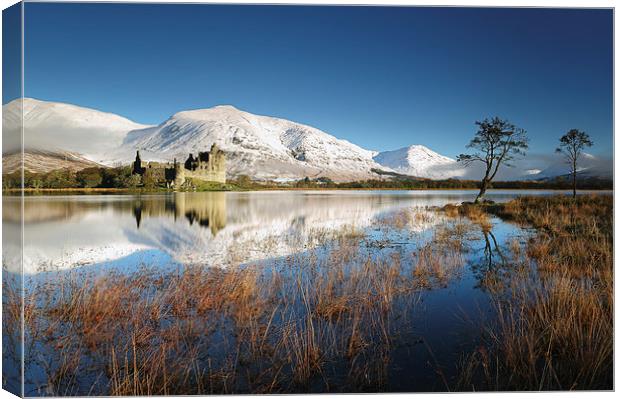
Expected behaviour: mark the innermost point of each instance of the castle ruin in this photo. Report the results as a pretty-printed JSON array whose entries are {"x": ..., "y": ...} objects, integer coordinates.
[{"x": 209, "y": 166}]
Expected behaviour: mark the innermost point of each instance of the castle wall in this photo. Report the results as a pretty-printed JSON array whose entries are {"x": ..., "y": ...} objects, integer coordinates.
[
  {"x": 214, "y": 170},
  {"x": 208, "y": 166}
]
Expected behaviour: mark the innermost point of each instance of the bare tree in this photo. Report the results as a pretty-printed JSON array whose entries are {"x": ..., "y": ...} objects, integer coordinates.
[
  {"x": 497, "y": 142},
  {"x": 571, "y": 146}
]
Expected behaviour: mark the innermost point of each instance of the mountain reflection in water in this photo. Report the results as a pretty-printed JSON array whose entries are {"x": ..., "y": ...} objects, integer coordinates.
[
  {"x": 209, "y": 228},
  {"x": 212, "y": 229}
]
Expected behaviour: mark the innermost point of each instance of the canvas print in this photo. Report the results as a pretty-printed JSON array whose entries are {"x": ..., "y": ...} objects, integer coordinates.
[{"x": 273, "y": 199}]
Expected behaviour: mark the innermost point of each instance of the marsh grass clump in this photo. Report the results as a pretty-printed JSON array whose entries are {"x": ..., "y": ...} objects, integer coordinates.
[
  {"x": 429, "y": 268},
  {"x": 397, "y": 220},
  {"x": 554, "y": 327},
  {"x": 12, "y": 301},
  {"x": 403, "y": 219},
  {"x": 451, "y": 210},
  {"x": 476, "y": 213},
  {"x": 441, "y": 259}
]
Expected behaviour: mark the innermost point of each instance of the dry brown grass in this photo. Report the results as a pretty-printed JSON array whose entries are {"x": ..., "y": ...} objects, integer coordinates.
[
  {"x": 475, "y": 213},
  {"x": 554, "y": 328},
  {"x": 436, "y": 266},
  {"x": 451, "y": 210},
  {"x": 313, "y": 323},
  {"x": 326, "y": 319}
]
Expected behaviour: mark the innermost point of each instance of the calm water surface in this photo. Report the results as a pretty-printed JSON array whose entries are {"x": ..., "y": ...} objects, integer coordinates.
[
  {"x": 127, "y": 233},
  {"x": 210, "y": 229}
]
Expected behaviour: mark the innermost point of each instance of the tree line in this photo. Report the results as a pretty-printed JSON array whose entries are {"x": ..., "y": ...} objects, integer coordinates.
[
  {"x": 94, "y": 177},
  {"x": 121, "y": 178},
  {"x": 557, "y": 183}
]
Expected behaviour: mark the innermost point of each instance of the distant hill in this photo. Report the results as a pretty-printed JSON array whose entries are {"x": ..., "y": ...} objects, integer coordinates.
[
  {"x": 39, "y": 161},
  {"x": 58, "y": 127}
]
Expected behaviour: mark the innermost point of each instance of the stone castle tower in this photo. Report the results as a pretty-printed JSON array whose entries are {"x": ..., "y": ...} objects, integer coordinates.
[{"x": 208, "y": 166}]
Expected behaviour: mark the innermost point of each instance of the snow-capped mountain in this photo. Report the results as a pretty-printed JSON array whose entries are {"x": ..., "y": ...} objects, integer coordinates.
[
  {"x": 59, "y": 127},
  {"x": 420, "y": 161},
  {"x": 259, "y": 146},
  {"x": 58, "y": 135}
]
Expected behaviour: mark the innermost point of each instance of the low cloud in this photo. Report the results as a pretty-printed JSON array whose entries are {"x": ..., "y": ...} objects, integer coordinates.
[{"x": 547, "y": 165}]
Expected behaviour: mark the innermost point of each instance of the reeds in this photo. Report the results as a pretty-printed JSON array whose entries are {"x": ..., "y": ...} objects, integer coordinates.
[
  {"x": 327, "y": 318},
  {"x": 319, "y": 320},
  {"x": 554, "y": 325},
  {"x": 474, "y": 212}
]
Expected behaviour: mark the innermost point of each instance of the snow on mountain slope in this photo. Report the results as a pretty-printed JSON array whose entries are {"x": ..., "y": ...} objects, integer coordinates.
[
  {"x": 259, "y": 146},
  {"x": 420, "y": 161},
  {"x": 53, "y": 126},
  {"x": 40, "y": 161}
]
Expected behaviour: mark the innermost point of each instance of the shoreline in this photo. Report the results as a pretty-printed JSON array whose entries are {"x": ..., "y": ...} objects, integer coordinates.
[{"x": 130, "y": 191}]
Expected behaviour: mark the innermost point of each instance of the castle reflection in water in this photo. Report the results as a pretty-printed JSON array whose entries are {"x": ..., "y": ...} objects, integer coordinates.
[{"x": 208, "y": 210}]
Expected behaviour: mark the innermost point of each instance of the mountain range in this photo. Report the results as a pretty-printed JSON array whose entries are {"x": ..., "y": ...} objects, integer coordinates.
[{"x": 58, "y": 135}]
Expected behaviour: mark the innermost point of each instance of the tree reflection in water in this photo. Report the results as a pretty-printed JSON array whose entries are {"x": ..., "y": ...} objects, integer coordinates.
[{"x": 492, "y": 268}]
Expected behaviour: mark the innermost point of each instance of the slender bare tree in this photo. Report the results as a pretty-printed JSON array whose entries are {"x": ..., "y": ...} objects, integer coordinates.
[
  {"x": 497, "y": 142},
  {"x": 571, "y": 146}
]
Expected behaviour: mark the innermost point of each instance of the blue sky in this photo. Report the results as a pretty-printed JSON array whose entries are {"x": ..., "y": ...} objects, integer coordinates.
[{"x": 380, "y": 77}]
